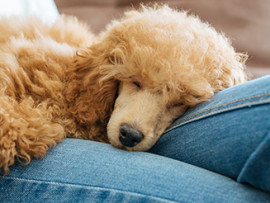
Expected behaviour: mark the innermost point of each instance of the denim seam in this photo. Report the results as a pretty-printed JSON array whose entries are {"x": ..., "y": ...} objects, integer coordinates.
[
  {"x": 221, "y": 105},
  {"x": 265, "y": 101},
  {"x": 251, "y": 156},
  {"x": 88, "y": 187}
]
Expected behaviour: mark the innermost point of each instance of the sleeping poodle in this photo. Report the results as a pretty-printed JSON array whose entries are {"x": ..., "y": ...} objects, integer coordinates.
[{"x": 124, "y": 86}]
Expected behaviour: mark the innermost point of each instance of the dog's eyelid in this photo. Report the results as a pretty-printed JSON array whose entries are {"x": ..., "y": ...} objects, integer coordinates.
[
  {"x": 137, "y": 84},
  {"x": 179, "y": 104}
]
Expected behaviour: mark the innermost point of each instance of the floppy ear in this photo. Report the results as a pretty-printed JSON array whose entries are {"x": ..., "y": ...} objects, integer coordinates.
[{"x": 90, "y": 92}]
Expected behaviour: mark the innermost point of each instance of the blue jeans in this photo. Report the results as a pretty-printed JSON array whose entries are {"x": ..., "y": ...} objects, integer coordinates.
[{"x": 218, "y": 151}]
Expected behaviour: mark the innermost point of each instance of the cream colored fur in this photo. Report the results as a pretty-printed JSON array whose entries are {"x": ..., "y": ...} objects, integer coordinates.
[{"x": 61, "y": 80}]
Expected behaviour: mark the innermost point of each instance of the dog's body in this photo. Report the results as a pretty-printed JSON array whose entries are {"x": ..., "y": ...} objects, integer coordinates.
[{"x": 61, "y": 80}]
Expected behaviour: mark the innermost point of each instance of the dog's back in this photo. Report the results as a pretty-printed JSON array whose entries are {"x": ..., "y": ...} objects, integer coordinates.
[{"x": 34, "y": 58}]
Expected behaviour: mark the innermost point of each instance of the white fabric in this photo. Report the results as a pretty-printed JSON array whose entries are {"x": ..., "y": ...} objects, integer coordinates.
[{"x": 45, "y": 9}]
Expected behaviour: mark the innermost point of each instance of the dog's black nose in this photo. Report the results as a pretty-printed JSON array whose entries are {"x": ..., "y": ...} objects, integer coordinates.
[{"x": 130, "y": 136}]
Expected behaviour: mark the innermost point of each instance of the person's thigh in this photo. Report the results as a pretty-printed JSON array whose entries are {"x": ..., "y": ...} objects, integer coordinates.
[
  {"x": 229, "y": 134},
  {"x": 86, "y": 171}
]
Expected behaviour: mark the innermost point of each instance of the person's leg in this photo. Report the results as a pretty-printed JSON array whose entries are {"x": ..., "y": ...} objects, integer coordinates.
[
  {"x": 229, "y": 134},
  {"x": 87, "y": 171}
]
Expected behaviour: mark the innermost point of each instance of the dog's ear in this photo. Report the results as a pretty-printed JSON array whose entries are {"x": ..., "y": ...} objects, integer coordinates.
[{"x": 90, "y": 89}]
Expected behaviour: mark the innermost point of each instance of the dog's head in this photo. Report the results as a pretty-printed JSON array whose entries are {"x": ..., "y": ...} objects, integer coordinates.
[{"x": 162, "y": 61}]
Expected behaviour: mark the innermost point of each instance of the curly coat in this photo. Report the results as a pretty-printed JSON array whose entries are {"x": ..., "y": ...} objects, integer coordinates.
[{"x": 144, "y": 70}]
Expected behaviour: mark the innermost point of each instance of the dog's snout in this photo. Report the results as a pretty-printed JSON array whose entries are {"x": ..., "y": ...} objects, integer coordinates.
[{"x": 130, "y": 136}]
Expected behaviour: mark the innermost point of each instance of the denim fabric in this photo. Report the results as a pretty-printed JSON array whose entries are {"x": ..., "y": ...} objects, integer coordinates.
[
  {"x": 86, "y": 171},
  {"x": 229, "y": 135}
]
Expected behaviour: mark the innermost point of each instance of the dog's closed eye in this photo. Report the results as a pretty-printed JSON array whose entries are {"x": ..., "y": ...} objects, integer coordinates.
[
  {"x": 175, "y": 105},
  {"x": 137, "y": 84}
]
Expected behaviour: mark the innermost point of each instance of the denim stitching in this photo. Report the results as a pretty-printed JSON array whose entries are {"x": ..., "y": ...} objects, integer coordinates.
[
  {"x": 221, "y": 105},
  {"x": 87, "y": 187},
  {"x": 178, "y": 124}
]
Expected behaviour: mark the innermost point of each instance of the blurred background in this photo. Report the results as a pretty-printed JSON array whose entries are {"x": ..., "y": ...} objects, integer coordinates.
[{"x": 245, "y": 22}]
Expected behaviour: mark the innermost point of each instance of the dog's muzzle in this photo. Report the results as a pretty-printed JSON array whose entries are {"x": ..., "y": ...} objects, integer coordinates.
[{"x": 130, "y": 136}]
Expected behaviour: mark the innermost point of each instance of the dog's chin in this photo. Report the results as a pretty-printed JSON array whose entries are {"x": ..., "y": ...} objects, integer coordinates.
[
  {"x": 145, "y": 145},
  {"x": 137, "y": 148},
  {"x": 133, "y": 149}
]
